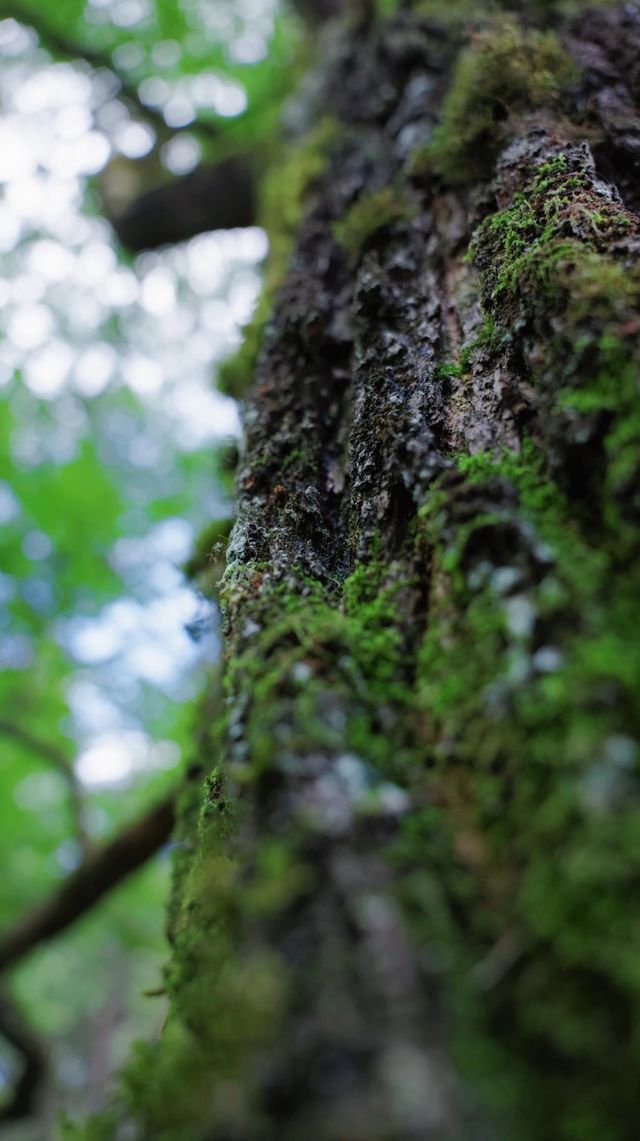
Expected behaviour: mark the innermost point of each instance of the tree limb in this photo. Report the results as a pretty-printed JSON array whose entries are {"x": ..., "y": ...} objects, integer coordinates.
[
  {"x": 102, "y": 871},
  {"x": 218, "y": 196},
  {"x": 18, "y": 1033},
  {"x": 58, "y": 759}
]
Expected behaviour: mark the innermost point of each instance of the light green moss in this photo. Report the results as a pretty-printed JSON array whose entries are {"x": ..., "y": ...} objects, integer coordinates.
[
  {"x": 300, "y": 632},
  {"x": 549, "y": 244}
]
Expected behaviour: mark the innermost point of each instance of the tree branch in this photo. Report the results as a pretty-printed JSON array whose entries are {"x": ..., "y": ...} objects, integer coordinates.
[
  {"x": 18, "y": 1033},
  {"x": 218, "y": 196},
  {"x": 58, "y": 759},
  {"x": 101, "y": 872}
]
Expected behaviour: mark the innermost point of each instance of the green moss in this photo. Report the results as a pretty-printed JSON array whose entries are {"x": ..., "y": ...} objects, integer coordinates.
[
  {"x": 489, "y": 336},
  {"x": 285, "y": 190},
  {"x": 179, "y": 1087},
  {"x": 521, "y": 855},
  {"x": 222, "y": 1008},
  {"x": 528, "y": 682},
  {"x": 551, "y": 242},
  {"x": 99, "y": 1127},
  {"x": 450, "y": 369},
  {"x": 555, "y": 265},
  {"x": 506, "y": 71},
  {"x": 283, "y": 671},
  {"x": 610, "y": 394},
  {"x": 514, "y": 719},
  {"x": 368, "y": 215},
  {"x": 324, "y": 668}
]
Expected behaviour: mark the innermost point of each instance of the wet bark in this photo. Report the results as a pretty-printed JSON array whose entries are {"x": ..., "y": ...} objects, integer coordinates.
[{"x": 405, "y": 908}]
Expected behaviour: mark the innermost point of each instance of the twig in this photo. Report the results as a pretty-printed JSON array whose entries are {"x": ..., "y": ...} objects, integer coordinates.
[
  {"x": 25, "y": 1042},
  {"x": 58, "y": 759}
]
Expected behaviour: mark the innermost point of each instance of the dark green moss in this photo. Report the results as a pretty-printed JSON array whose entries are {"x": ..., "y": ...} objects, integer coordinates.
[
  {"x": 506, "y": 71},
  {"x": 528, "y": 681},
  {"x": 368, "y": 215},
  {"x": 559, "y": 265}
]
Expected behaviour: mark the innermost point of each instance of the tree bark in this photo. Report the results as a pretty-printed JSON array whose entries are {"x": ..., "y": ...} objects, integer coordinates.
[{"x": 406, "y": 907}]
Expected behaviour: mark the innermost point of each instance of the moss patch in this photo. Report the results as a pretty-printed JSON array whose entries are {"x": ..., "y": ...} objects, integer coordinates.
[
  {"x": 528, "y": 681},
  {"x": 559, "y": 265},
  {"x": 506, "y": 71},
  {"x": 552, "y": 243},
  {"x": 368, "y": 215},
  {"x": 283, "y": 670}
]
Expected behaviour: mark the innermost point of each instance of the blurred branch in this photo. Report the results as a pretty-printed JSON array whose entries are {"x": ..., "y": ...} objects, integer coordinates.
[
  {"x": 101, "y": 872},
  {"x": 316, "y": 12},
  {"x": 58, "y": 759},
  {"x": 59, "y": 45},
  {"x": 218, "y": 196},
  {"x": 19, "y": 1034}
]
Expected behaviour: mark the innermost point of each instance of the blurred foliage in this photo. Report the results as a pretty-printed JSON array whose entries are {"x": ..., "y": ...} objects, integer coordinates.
[
  {"x": 162, "y": 46},
  {"x": 112, "y": 460}
]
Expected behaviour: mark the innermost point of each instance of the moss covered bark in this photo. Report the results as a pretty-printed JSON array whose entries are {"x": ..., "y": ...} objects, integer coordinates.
[{"x": 406, "y": 905}]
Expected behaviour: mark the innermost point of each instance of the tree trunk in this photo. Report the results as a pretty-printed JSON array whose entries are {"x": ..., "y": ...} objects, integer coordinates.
[{"x": 405, "y": 908}]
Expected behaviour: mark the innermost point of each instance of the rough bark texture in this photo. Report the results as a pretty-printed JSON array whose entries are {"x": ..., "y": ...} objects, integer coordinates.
[{"x": 406, "y": 908}]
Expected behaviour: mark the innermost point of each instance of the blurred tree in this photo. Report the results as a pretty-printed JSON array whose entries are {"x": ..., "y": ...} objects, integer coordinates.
[{"x": 406, "y": 847}]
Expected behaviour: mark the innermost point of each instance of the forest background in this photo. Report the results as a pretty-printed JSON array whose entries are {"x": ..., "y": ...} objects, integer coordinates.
[{"x": 112, "y": 459}]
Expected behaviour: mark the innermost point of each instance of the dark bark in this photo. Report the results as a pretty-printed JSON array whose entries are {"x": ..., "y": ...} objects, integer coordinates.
[{"x": 407, "y": 914}]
